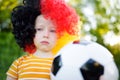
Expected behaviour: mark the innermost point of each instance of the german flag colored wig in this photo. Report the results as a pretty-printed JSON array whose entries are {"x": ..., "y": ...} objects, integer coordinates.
[{"x": 62, "y": 15}]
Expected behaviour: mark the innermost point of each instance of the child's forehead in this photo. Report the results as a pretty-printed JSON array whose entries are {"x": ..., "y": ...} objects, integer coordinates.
[{"x": 41, "y": 20}]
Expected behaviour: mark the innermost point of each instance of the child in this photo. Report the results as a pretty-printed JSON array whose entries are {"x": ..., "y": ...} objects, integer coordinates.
[{"x": 37, "y": 30}]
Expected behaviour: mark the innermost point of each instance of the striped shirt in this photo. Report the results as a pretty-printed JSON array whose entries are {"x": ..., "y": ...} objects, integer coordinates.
[{"x": 30, "y": 67}]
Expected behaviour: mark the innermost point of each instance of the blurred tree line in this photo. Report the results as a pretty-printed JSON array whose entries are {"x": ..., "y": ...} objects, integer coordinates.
[{"x": 99, "y": 17}]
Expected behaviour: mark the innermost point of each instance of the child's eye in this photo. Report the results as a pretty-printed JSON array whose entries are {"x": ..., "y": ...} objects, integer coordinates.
[
  {"x": 39, "y": 29},
  {"x": 53, "y": 30}
]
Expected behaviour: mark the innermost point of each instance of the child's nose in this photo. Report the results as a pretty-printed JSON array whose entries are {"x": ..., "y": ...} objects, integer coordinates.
[{"x": 46, "y": 34}]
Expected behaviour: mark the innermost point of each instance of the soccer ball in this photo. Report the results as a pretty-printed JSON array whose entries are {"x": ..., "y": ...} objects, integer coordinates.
[{"x": 84, "y": 61}]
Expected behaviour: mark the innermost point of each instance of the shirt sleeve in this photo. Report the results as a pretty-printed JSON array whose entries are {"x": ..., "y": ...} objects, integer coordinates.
[{"x": 13, "y": 70}]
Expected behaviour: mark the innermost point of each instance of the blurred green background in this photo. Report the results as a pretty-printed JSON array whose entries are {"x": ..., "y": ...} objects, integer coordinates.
[{"x": 100, "y": 23}]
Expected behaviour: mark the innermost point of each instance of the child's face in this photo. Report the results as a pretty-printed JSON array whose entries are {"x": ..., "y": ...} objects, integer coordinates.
[{"x": 45, "y": 37}]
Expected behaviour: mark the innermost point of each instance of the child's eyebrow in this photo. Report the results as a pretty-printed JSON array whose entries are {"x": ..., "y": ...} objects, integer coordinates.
[{"x": 39, "y": 26}]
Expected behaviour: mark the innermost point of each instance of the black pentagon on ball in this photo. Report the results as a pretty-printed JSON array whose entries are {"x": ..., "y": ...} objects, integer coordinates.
[
  {"x": 57, "y": 64},
  {"x": 92, "y": 70}
]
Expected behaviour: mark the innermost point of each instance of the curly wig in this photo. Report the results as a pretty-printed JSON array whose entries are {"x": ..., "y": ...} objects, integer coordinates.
[
  {"x": 23, "y": 20},
  {"x": 33, "y": 3}
]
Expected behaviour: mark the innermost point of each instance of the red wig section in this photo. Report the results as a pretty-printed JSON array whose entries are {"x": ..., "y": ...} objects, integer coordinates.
[
  {"x": 30, "y": 48},
  {"x": 64, "y": 16}
]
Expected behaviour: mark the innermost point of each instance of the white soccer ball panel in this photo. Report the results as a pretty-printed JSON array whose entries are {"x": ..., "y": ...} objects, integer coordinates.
[{"x": 66, "y": 75}]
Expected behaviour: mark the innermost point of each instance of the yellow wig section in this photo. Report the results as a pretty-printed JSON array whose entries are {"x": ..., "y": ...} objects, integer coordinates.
[
  {"x": 66, "y": 38},
  {"x": 62, "y": 41}
]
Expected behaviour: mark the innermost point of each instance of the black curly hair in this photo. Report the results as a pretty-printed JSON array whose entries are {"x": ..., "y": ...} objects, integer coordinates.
[
  {"x": 32, "y": 3},
  {"x": 23, "y": 21}
]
